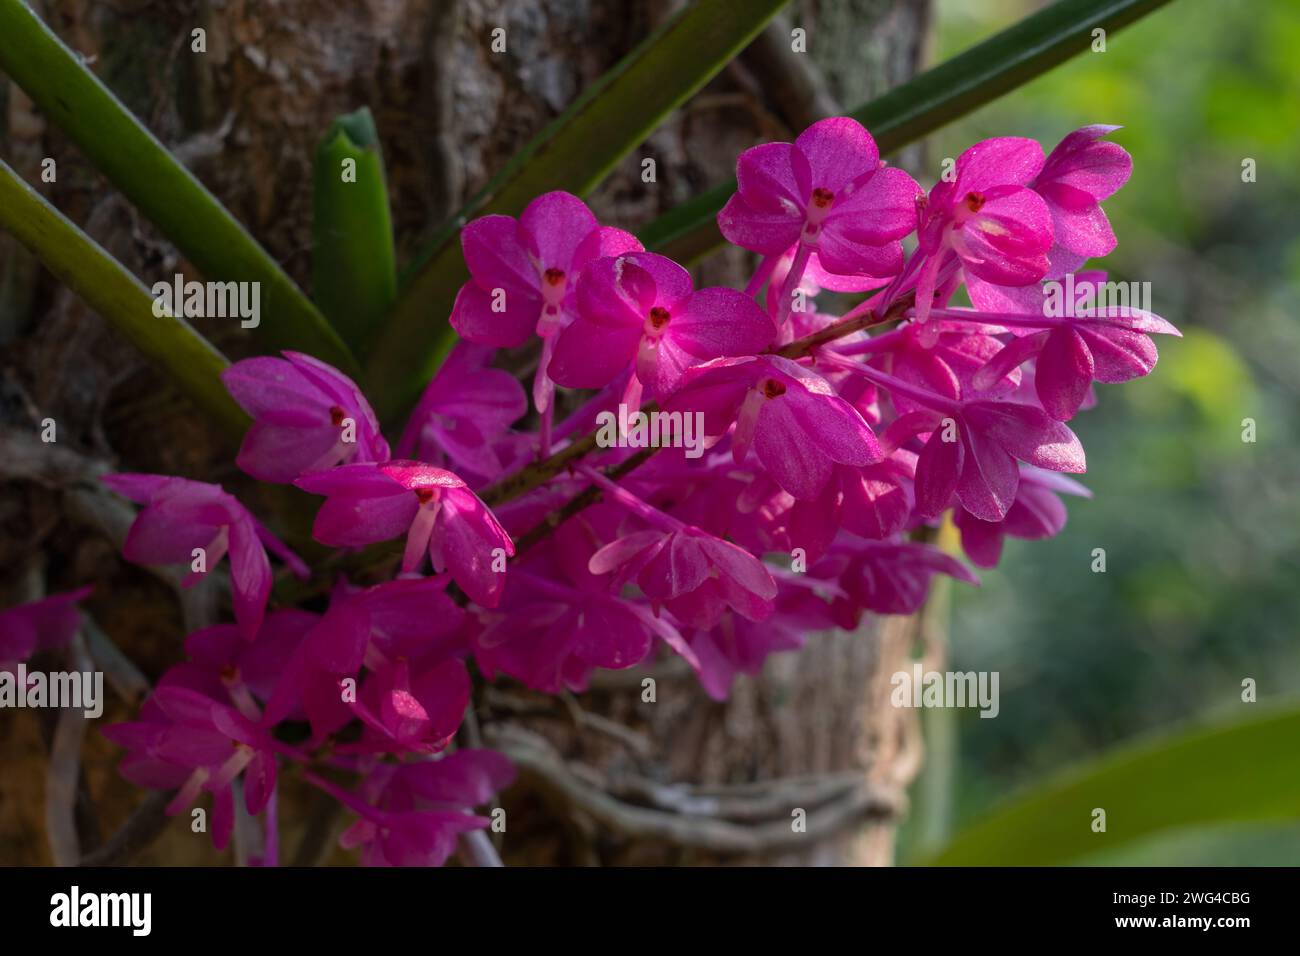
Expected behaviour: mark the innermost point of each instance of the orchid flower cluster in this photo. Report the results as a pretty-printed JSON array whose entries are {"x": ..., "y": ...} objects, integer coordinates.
[{"x": 542, "y": 555}]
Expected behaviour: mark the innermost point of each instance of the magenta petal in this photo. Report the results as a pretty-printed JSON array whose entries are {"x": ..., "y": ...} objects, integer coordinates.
[
  {"x": 136, "y": 487},
  {"x": 795, "y": 460},
  {"x": 250, "y": 577},
  {"x": 1084, "y": 163},
  {"x": 337, "y": 644},
  {"x": 468, "y": 537},
  {"x": 344, "y": 522},
  {"x": 1063, "y": 373},
  {"x": 279, "y": 453},
  {"x": 838, "y": 150},
  {"x": 989, "y": 477},
  {"x": 1028, "y": 433},
  {"x": 588, "y": 355},
  {"x": 1118, "y": 355},
  {"x": 938, "y": 469},
  {"x": 765, "y": 230},
  {"x": 721, "y": 322},
  {"x": 557, "y": 223},
  {"x": 1010, "y": 358},
  {"x": 768, "y": 181},
  {"x": 474, "y": 317},
  {"x": 495, "y": 256},
  {"x": 677, "y": 569},
  {"x": 1004, "y": 160},
  {"x": 265, "y": 385},
  {"x": 981, "y": 540}
]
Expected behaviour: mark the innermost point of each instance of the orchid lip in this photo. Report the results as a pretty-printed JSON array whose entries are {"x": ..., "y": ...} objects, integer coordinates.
[{"x": 656, "y": 321}]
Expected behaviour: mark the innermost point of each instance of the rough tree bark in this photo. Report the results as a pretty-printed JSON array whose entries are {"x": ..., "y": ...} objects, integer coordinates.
[{"x": 607, "y": 777}]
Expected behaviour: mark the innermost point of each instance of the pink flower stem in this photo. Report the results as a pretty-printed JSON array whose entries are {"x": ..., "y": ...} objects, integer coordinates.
[
  {"x": 1025, "y": 320},
  {"x": 874, "y": 344},
  {"x": 544, "y": 432},
  {"x": 895, "y": 385},
  {"x": 631, "y": 502},
  {"x": 349, "y": 800},
  {"x": 792, "y": 279},
  {"x": 281, "y": 551},
  {"x": 761, "y": 274}
]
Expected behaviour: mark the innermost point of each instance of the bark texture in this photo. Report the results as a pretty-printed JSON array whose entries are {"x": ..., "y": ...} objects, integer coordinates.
[{"x": 608, "y": 777}]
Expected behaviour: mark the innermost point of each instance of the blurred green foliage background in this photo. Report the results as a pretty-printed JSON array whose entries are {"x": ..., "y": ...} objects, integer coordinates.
[{"x": 1201, "y": 530}]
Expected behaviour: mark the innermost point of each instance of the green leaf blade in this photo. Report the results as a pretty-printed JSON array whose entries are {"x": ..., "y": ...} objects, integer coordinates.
[
  {"x": 1242, "y": 772},
  {"x": 162, "y": 188},
  {"x": 112, "y": 291},
  {"x": 354, "y": 264}
]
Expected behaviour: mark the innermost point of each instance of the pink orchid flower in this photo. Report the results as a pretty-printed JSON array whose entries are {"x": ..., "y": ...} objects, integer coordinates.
[
  {"x": 369, "y": 503},
  {"x": 792, "y": 417},
  {"x": 827, "y": 191},
  {"x": 740, "y": 646},
  {"x": 188, "y": 740},
  {"x": 892, "y": 578},
  {"x": 641, "y": 309},
  {"x": 408, "y": 620},
  {"x": 998, "y": 228},
  {"x": 39, "y": 625},
  {"x": 1108, "y": 344},
  {"x": 228, "y": 667},
  {"x": 1037, "y": 513},
  {"x": 182, "y": 518},
  {"x": 465, "y": 409},
  {"x": 1079, "y": 173},
  {"x": 409, "y": 710},
  {"x": 534, "y": 261},
  {"x": 403, "y": 827},
  {"x": 307, "y": 416},
  {"x": 524, "y": 274}
]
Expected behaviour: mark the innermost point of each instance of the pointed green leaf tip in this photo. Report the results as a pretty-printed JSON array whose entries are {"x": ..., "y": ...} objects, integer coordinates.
[
  {"x": 1144, "y": 788},
  {"x": 111, "y": 290},
  {"x": 354, "y": 264},
  {"x": 159, "y": 185}
]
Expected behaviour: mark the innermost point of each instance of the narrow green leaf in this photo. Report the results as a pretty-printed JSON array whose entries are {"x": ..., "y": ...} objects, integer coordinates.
[
  {"x": 1239, "y": 773},
  {"x": 160, "y": 186},
  {"x": 574, "y": 153},
  {"x": 929, "y": 101},
  {"x": 354, "y": 266},
  {"x": 112, "y": 291}
]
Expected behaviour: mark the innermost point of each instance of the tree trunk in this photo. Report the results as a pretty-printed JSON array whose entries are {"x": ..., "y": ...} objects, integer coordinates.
[{"x": 607, "y": 777}]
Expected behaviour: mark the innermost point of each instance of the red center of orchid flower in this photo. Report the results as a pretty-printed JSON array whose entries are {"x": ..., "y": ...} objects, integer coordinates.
[
  {"x": 822, "y": 197},
  {"x": 230, "y": 674},
  {"x": 773, "y": 389},
  {"x": 659, "y": 317},
  {"x": 337, "y": 415},
  {"x": 424, "y": 495},
  {"x": 974, "y": 201},
  {"x": 553, "y": 276}
]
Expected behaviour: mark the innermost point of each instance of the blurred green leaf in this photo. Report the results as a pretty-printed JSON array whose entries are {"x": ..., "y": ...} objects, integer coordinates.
[
  {"x": 164, "y": 190},
  {"x": 927, "y": 102},
  {"x": 574, "y": 153},
  {"x": 1238, "y": 773},
  {"x": 354, "y": 267},
  {"x": 82, "y": 265}
]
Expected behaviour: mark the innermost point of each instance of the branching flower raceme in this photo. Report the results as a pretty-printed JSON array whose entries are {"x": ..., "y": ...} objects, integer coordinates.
[{"x": 831, "y": 446}]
